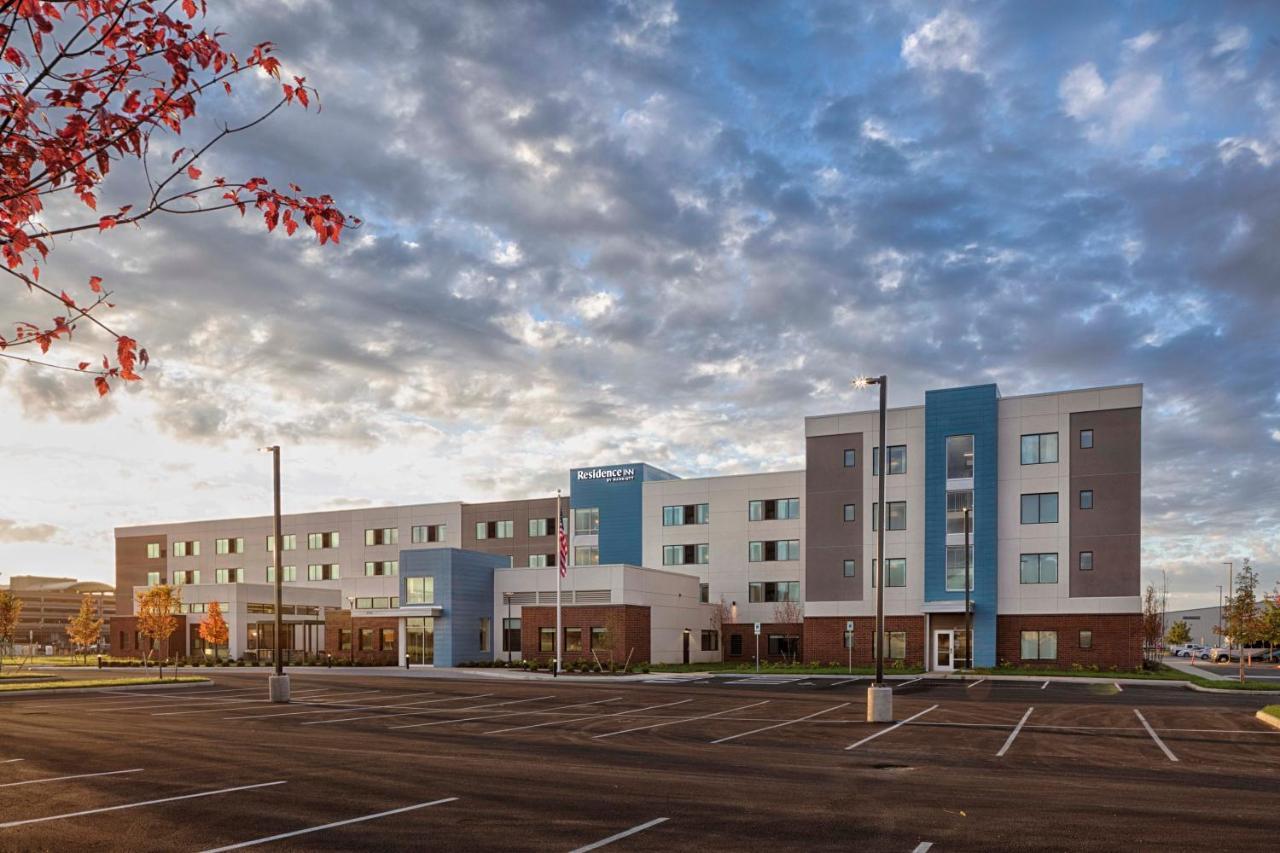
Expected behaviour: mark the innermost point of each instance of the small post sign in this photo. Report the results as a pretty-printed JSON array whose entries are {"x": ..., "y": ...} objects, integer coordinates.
[
  {"x": 848, "y": 641},
  {"x": 757, "y": 629},
  {"x": 757, "y": 648}
]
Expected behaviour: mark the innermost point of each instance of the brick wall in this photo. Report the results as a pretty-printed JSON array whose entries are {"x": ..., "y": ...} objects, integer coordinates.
[
  {"x": 341, "y": 620},
  {"x": 126, "y": 644},
  {"x": 747, "y": 631},
  {"x": 631, "y": 620},
  {"x": 1117, "y": 639},
  {"x": 824, "y": 638}
]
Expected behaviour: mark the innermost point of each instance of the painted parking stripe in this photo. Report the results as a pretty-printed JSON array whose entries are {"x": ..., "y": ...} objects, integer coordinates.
[
  {"x": 139, "y": 805},
  {"x": 12, "y": 760},
  {"x": 683, "y": 720},
  {"x": 847, "y": 681},
  {"x": 336, "y": 823},
  {"x": 979, "y": 681},
  {"x": 1013, "y": 734},
  {"x": 336, "y": 707},
  {"x": 1155, "y": 737},
  {"x": 1043, "y": 686},
  {"x": 912, "y": 681},
  {"x": 499, "y": 713},
  {"x": 1117, "y": 686},
  {"x": 601, "y": 717},
  {"x": 923, "y": 847},
  {"x": 64, "y": 778},
  {"x": 209, "y": 710},
  {"x": 785, "y": 723},
  {"x": 401, "y": 714},
  {"x": 871, "y": 737},
  {"x": 621, "y": 835}
]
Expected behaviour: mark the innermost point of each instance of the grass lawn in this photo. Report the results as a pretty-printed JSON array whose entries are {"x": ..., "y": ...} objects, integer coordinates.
[
  {"x": 52, "y": 660},
  {"x": 98, "y": 682},
  {"x": 1273, "y": 710},
  {"x": 781, "y": 669},
  {"x": 30, "y": 676}
]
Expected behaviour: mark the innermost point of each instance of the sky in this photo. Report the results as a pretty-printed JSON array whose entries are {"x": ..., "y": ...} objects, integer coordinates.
[{"x": 665, "y": 232}]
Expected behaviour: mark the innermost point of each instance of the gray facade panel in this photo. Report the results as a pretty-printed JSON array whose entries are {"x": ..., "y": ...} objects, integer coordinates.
[
  {"x": 829, "y": 539},
  {"x": 1112, "y": 529}
]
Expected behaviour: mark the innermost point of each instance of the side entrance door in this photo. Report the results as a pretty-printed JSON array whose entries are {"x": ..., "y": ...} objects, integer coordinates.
[
  {"x": 943, "y": 644},
  {"x": 686, "y": 646}
]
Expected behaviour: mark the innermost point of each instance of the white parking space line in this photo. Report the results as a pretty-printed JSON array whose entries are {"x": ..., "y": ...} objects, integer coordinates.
[
  {"x": 499, "y": 713},
  {"x": 847, "y": 681},
  {"x": 980, "y": 680},
  {"x": 336, "y": 823},
  {"x": 12, "y": 760},
  {"x": 138, "y": 805},
  {"x": 1155, "y": 737},
  {"x": 912, "y": 681},
  {"x": 64, "y": 778},
  {"x": 682, "y": 720},
  {"x": 871, "y": 737},
  {"x": 626, "y": 713},
  {"x": 1043, "y": 686},
  {"x": 784, "y": 723},
  {"x": 337, "y": 707},
  {"x": 210, "y": 710},
  {"x": 1117, "y": 686},
  {"x": 402, "y": 714},
  {"x": 923, "y": 847},
  {"x": 1013, "y": 734},
  {"x": 621, "y": 835}
]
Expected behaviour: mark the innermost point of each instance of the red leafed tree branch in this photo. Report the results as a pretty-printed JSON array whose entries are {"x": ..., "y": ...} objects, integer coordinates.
[{"x": 85, "y": 84}]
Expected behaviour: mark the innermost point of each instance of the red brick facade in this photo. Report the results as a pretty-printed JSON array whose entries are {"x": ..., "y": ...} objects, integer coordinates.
[
  {"x": 747, "y": 652},
  {"x": 126, "y": 643},
  {"x": 1117, "y": 640},
  {"x": 824, "y": 638},
  {"x": 381, "y": 651},
  {"x": 629, "y": 621}
]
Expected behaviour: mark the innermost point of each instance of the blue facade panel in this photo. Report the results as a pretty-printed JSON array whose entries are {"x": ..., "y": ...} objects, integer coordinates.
[
  {"x": 617, "y": 491},
  {"x": 464, "y": 592},
  {"x": 964, "y": 411}
]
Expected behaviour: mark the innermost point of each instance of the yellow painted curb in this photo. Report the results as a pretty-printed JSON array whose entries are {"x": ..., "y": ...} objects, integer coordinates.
[{"x": 1270, "y": 720}]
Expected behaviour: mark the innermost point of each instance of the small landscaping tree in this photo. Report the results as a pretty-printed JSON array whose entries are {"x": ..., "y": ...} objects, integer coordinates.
[
  {"x": 1270, "y": 620},
  {"x": 156, "y": 622},
  {"x": 83, "y": 629},
  {"x": 720, "y": 616},
  {"x": 213, "y": 630},
  {"x": 1179, "y": 633},
  {"x": 1152, "y": 621},
  {"x": 10, "y": 610},
  {"x": 791, "y": 614},
  {"x": 1242, "y": 623}
]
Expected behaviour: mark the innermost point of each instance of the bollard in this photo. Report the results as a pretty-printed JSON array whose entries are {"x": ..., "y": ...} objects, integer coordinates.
[{"x": 99, "y": 661}]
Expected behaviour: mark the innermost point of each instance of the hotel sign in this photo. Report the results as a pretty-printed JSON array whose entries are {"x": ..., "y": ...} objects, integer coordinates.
[{"x": 608, "y": 475}]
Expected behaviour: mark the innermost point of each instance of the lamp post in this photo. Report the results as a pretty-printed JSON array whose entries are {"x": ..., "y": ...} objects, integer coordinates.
[
  {"x": 968, "y": 617},
  {"x": 1221, "y": 629},
  {"x": 879, "y": 697},
  {"x": 279, "y": 682},
  {"x": 506, "y": 629}
]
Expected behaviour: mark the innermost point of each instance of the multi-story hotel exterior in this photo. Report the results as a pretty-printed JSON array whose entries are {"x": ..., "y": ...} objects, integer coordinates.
[{"x": 1053, "y": 482}]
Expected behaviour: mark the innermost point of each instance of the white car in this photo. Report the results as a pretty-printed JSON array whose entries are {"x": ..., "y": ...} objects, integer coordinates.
[
  {"x": 1189, "y": 650},
  {"x": 1221, "y": 654}
]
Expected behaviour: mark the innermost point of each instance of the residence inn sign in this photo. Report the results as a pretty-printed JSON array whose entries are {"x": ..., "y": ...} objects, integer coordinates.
[{"x": 608, "y": 475}]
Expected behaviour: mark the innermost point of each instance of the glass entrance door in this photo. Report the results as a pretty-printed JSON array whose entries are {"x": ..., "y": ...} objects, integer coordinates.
[
  {"x": 943, "y": 642},
  {"x": 420, "y": 640}
]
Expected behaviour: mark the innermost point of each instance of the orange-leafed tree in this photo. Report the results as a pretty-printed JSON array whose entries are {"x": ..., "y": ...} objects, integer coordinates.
[
  {"x": 156, "y": 621},
  {"x": 85, "y": 86},
  {"x": 84, "y": 628},
  {"x": 213, "y": 630},
  {"x": 10, "y": 610}
]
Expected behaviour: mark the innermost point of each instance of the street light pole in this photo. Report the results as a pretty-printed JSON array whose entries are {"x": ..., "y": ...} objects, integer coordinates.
[
  {"x": 879, "y": 697},
  {"x": 506, "y": 629},
  {"x": 968, "y": 617},
  {"x": 279, "y": 682}
]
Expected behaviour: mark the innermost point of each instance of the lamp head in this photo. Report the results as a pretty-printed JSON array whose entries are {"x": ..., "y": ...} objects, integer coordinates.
[{"x": 863, "y": 382}]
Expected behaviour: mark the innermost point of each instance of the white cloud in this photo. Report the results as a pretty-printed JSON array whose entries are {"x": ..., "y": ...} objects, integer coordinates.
[
  {"x": 949, "y": 42},
  {"x": 595, "y": 305},
  {"x": 1230, "y": 40},
  {"x": 1143, "y": 41},
  {"x": 1110, "y": 112},
  {"x": 1236, "y": 146}
]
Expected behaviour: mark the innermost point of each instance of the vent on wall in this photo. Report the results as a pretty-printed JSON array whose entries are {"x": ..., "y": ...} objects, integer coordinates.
[
  {"x": 524, "y": 597},
  {"x": 593, "y": 596}
]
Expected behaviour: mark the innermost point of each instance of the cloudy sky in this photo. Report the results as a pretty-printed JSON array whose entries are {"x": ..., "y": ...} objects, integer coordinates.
[{"x": 660, "y": 231}]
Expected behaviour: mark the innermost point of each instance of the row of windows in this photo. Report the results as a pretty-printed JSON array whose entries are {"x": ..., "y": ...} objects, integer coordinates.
[
  {"x": 1043, "y": 645},
  {"x": 1036, "y": 448},
  {"x": 773, "y": 550},
  {"x": 377, "y": 602},
  {"x": 769, "y": 591},
  {"x": 1042, "y": 507},
  {"x": 495, "y": 529},
  {"x": 681, "y": 555},
  {"x": 782, "y": 508},
  {"x": 677, "y": 516}
]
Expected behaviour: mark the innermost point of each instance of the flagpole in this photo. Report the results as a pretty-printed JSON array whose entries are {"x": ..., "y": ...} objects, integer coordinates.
[{"x": 555, "y": 668}]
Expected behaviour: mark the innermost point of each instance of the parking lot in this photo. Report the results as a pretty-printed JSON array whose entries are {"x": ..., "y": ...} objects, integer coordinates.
[{"x": 376, "y": 762}]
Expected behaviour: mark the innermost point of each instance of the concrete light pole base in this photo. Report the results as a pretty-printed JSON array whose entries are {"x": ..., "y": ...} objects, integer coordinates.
[
  {"x": 879, "y": 704},
  {"x": 279, "y": 686}
]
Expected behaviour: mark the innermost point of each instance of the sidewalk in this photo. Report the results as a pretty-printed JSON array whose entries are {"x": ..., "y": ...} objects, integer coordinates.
[{"x": 1191, "y": 669}]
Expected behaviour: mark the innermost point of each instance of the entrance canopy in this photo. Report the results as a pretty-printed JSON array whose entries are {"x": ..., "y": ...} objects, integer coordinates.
[{"x": 946, "y": 606}]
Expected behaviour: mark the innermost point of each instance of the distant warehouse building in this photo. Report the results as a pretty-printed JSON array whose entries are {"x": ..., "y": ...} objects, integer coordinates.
[
  {"x": 49, "y": 603},
  {"x": 665, "y": 568}
]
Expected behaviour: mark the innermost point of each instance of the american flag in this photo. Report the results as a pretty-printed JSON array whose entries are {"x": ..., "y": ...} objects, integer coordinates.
[{"x": 564, "y": 550}]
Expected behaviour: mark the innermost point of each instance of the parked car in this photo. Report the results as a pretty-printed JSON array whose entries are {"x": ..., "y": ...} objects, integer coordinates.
[
  {"x": 1222, "y": 654},
  {"x": 1187, "y": 650}
]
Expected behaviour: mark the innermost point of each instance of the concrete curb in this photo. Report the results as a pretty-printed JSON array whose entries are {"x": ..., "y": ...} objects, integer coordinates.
[
  {"x": 1269, "y": 719},
  {"x": 35, "y": 691}
]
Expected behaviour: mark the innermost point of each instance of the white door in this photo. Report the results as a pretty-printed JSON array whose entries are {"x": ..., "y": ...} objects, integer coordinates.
[{"x": 943, "y": 644}]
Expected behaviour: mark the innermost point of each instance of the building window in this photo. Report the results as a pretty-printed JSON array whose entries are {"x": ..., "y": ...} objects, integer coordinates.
[
  {"x": 850, "y": 512},
  {"x": 710, "y": 641},
  {"x": 735, "y": 645},
  {"x": 956, "y": 568},
  {"x": 704, "y": 593},
  {"x": 897, "y": 460},
  {"x": 586, "y": 555},
  {"x": 959, "y": 457},
  {"x": 366, "y": 639},
  {"x": 538, "y": 561},
  {"x": 1038, "y": 568},
  {"x": 773, "y": 550},
  {"x": 388, "y": 639},
  {"x": 290, "y": 543},
  {"x": 229, "y": 546},
  {"x": 381, "y": 567},
  {"x": 676, "y": 516},
  {"x": 1039, "y": 448},
  {"x": 1086, "y": 639},
  {"x": 511, "y": 635},
  {"x": 1040, "y": 508},
  {"x": 770, "y": 591},
  {"x": 1086, "y": 561},
  {"x": 586, "y": 520},
  {"x": 229, "y": 575},
  {"x": 382, "y": 536},
  {"x": 542, "y": 526},
  {"x": 546, "y": 639},
  {"x": 484, "y": 634},
  {"x": 1039, "y": 645},
  {"x": 786, "y": 645},
  {"x": 153, "y": 550},
  {"x": 344, "y": 639},
  {"x": 780, "y": 508},
  {"x": 290, "y": 574},
  {"x": 572, "y": 640},
  {"x": 323, "y": 572},
  {"x": 189, "y": 548},
  {"x": 153, "y": 578},
  {"x": 420, "y": 590},
  {"x": 186, "y": 576},
  {"x": 897, "y": 515},
  {"x": 505, "y": 529},
  {"x": 316, "y": 541},
  {"x": 1086, "y": 498},
  {"x": 850, "y": 568},
  {"x": 896, "y": 645},
  {"x": 422, "y": 533},
  {"x": 957, "y": 503},
  {"x": 1086, "y": 439},
  {"x": 680, "y": 555},
  {"x": 599, "y": 639},
  {"x": 850, "y": 458},
  {"x": 895, "y": 572}
]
